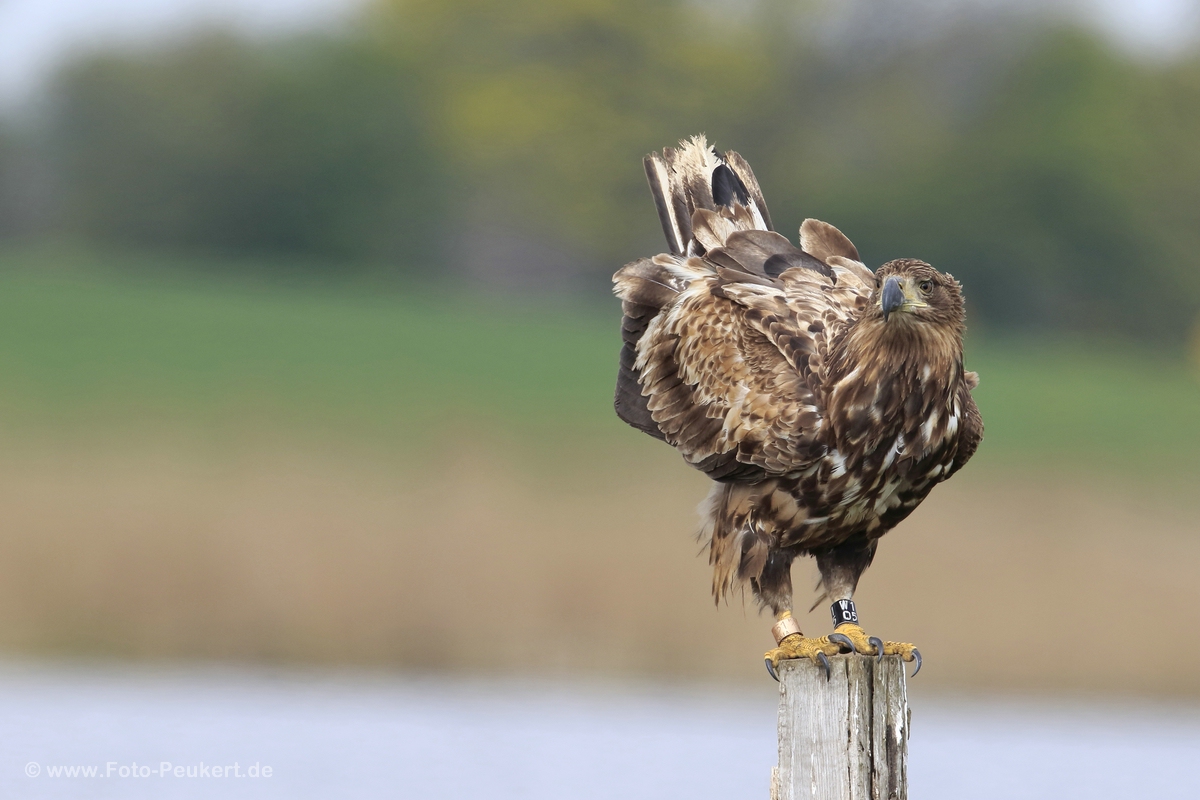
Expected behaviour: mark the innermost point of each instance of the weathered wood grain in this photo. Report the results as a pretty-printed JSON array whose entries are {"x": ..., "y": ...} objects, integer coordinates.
[{"x": 845, "y": 738}]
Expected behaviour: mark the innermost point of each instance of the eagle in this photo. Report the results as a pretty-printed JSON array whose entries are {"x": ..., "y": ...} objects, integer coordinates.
[{"x": 824, "y": 400}]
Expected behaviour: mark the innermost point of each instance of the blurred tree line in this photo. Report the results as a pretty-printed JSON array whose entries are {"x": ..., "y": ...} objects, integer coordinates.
[{"x": 1056, "y": 176}]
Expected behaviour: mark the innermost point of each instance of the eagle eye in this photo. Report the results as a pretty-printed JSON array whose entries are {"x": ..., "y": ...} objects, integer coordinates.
[{"x": 925, "y": 286}]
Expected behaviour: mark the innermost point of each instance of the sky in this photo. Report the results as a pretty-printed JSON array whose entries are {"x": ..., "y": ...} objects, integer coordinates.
[
  {"x": 36, "y": 35},
  {"x": 1148, "y": 24}
]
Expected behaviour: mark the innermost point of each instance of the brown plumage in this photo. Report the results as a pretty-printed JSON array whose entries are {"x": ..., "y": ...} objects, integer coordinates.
[{"x": 824, "y": 400}]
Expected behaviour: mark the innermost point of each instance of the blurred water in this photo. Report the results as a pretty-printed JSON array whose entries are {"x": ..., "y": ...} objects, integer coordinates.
[{"x": 366, "y": 737}]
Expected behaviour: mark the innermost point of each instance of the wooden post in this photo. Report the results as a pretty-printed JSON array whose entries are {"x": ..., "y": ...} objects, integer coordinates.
[{"x": 845, "y": 738}]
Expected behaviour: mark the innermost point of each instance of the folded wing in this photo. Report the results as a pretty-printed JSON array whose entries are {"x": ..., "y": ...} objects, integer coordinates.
[{"x": 725, "y": 336}]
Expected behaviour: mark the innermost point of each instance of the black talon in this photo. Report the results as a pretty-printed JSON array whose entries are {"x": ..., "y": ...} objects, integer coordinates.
[
  {"x": 844, "y": 640},
  {"x": 771, "y": 669},
  {"x": 917, "y": 658},
  {"x": 825, "y": 663},
  {"x": 878, "y": 643}
]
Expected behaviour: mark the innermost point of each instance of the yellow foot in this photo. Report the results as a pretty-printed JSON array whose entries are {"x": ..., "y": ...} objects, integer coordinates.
[
  {"x": 872, "y": 646},
  {"x": 799, "y": 646}
]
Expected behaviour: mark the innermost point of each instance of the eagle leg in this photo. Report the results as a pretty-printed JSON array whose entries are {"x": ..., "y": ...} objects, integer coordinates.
[{"x": 840, "y": 569}]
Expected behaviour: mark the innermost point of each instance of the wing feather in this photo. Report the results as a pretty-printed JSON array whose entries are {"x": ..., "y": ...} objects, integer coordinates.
[
  {"x": 725, "y": 337},
  {"x": 823, "y": 241},
  {"x": 971, "y": 429},
  {"x": 731, "y": 366}
]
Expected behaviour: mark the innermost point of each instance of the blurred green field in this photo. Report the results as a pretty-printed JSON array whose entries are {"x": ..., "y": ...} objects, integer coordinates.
[
  {"x": 199, "y": 464},
  {"x": 96, "y": 346}
]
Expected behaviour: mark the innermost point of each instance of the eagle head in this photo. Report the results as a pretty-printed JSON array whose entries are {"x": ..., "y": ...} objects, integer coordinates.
[
  {"x": 910, "y": 293},
  {"x": 900, "y": 361}
]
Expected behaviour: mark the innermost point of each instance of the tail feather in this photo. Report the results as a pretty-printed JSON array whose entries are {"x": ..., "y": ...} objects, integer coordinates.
[
  {"x": 676, "y": 220},
  {"x": 711, "y": 229},
  {"x": 757, "y": 200},
  {"x": 737, "y": 548},
  {"x": 693, "y": 178}
]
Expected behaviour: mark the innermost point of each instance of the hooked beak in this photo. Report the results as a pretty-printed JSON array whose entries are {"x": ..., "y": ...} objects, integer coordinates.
[{"x": 892, "y": 297}]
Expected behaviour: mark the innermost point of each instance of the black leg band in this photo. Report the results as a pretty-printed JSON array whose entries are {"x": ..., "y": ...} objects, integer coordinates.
[{"x": 844, "y": 611}]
